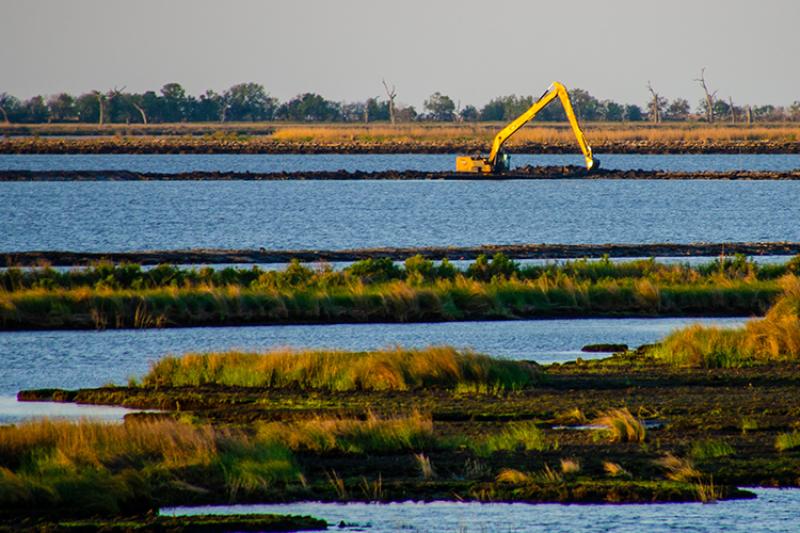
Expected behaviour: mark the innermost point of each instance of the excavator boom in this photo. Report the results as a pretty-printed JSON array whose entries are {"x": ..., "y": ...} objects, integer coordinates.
[{"x": 497, "y": 162}]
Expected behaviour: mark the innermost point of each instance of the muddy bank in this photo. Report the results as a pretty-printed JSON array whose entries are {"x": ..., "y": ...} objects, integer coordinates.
[
  {"x": 512, "y": 251},
  {"x": 178, "y": 524},
  {"x": 521, "y": 173},
  {"x": 265, "y": 145}
]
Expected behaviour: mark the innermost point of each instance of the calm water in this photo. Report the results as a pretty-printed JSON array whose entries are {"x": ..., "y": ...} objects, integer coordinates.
[
  {"x": 168, "y": 163},
  {"x": 14, "y": 412},
  {"x": 73, "y": 359},
  {"x": 773, "y": 510},
  {"x": 106, "y": 216}
]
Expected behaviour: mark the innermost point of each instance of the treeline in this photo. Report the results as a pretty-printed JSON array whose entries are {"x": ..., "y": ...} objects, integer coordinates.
[{"x": 251, "y": 102}]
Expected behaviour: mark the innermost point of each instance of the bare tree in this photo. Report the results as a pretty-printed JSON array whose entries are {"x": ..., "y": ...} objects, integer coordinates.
[
  {"x": 3, "y": 110},
  {"x": 749, "y": 112},
  {"x": 733, "y": 110},
  {"x": 100, "y": 106},
  {"x": 709, "y": 96},
  {"x": 391, "y": 94},
  {"x": 655, "y": 111}
]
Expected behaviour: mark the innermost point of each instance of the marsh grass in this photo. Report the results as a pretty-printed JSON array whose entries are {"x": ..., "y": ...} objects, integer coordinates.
[
  {"x": 678, "y": 469},
  {"x": 108, "y": 296},
  {"x": 570, "y": 466},
  {"x": 541, "y": 133},
  {"x": 711, "y": 449},
  {"x": 515, "y": 436},
  {"x": 425, "y": 466},
  {"x": 615, "y": 470},
  {"x": 707, "y": 491},
  {"x": 787, "y": 441},
  {"x": 373, "y": 435},
  {"x": 621, "y": 426},
  {"x": 774, "y": 338},
  {"x": 111, "y": 468},
  {"x": 372, "y": 490},
  {"x": 390, "y": 369},
  {"x": 513, "y": 477}
]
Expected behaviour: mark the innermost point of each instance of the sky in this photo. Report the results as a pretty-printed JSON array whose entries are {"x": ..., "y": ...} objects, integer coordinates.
[{"x": 470, "y": 50}]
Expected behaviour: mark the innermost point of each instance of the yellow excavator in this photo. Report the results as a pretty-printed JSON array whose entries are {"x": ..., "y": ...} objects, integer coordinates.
[{"x": 498, "y": 161}]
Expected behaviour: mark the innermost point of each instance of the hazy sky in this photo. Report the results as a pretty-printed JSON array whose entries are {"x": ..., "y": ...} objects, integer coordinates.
[{"x": 467, "y": 49}]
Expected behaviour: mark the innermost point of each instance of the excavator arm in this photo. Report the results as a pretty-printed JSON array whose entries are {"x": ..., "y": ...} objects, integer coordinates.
[{"x": 496, "y": 162}]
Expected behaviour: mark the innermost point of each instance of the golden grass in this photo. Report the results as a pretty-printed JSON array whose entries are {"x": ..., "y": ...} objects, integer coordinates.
[
  {"x": 513, "y": 476},
  {"x": 536, "y": 133},
  {"x": 425, "y": 466},
  {"x": 390, "y": 369},
  {"x": 413, "y": 433},
  {"x": 570, "y": 466},
  {"x": 170, "y": 443},
  {"x": 621, "y": 425},
  {"x": 776, "y": 337},
  {"x": 615, "y": 469},
  {"x": 678, "y": 469}
]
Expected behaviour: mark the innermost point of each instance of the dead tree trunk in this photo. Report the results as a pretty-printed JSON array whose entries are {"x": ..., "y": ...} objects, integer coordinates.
[
  {"x": 5, "y": 115},
  {"x": 655, "y": 111},
  {"x": 733, "y": 110},
  {"x": 749, "y": 115},
  {"x": 391, "y": 94},
  {"x": 709, "y": 96},
  {"x": 140, "y": 109},
  {"x": 100, "y": 107}
]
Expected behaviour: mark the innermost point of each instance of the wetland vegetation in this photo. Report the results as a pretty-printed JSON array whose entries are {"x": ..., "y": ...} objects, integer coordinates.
[
  {"x": 434, "y": 423},
  {"x": 379, "y": 290}
]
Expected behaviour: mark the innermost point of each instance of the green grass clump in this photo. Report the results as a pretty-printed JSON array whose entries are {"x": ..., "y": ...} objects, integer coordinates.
[
  {"x": 776, "y": 337},
  {"x": 711, "y": 449},
  {"x": 391, "y": 369},
  {"x": 787, "y": 441},
  {"x": 516, "y": 436}
]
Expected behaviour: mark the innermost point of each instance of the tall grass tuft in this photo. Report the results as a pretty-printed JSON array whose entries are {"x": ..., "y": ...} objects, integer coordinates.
[
  {"x": 391, "y": 369},
  {"x": 621, "y": 425},
  {"x": 514, "y": 477},
  {"x": 679, "y": 469}
]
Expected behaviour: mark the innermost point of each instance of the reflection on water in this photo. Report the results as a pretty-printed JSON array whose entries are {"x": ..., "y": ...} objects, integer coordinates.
[
  {"x": 74, "y": 359},
  {"x": 14, "y": 412},
  {"x": 773, "y": 510}
]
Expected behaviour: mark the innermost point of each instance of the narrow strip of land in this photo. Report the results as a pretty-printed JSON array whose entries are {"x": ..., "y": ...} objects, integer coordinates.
[
  {"x": 263, "y": 144},
  {"x": 521, "y": 173},
  {"x": 210, "y": 256}
]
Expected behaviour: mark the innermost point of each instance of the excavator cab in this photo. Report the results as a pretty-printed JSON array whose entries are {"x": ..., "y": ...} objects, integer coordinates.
[
  {"x": 498, "y": 161},
  {"x": 481, "y": 165}
]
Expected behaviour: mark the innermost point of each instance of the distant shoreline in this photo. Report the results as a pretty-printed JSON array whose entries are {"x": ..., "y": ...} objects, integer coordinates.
[{"x": 522, "y": 173}]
